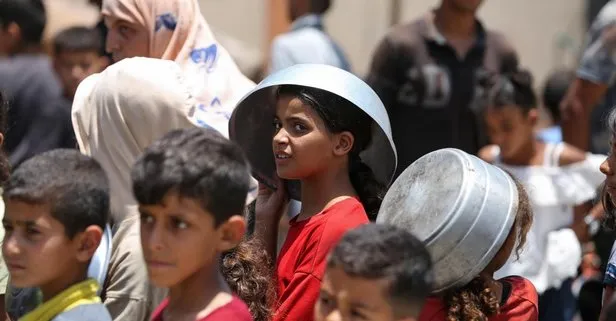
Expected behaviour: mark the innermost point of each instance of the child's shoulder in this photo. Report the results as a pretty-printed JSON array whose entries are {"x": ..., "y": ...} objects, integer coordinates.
[
  {"x": 348, "y": 213},
  {"x": 570, "y": 155},
  {"x": 234, "y": 310},
  {"x": 85, "y": 312},
  {"x": 523, "y": 299}
]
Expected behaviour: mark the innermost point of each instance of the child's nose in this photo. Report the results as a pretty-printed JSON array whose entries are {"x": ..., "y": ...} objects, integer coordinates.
[
  {"x": 281, "y": 137},
  {"x": 605, "y": 168},
  {"x": 10, "y": 245},
  {"x": 335, "y": 315}
]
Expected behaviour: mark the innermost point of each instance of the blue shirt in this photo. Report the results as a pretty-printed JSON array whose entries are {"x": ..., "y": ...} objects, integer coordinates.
[{"x": 306, "y": 42}]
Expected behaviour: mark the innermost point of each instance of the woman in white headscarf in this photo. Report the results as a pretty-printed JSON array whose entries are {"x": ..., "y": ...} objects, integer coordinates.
[
  {"x": 176, "y": 30},
  {"x": 116, "y": 115}
]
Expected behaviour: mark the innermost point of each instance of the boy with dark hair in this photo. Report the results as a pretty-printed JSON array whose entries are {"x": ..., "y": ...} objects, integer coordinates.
[
  {"x": 57, "y": 205},
  {"x": 191, "y": 186},
  {"x": 384, "y": 261},
  {"x": 77, "y": 55},
  {"x": 554, "y": 91},
  {"x": 27, "y": 78}
]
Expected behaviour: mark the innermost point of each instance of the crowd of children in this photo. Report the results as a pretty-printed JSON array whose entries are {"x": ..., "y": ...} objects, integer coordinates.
[{"x": 168, "y": 152}]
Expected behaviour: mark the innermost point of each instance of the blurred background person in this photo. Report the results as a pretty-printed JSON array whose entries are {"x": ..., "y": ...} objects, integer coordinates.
[
  {"x": 426, "y": 72},
  {"x": 28, "y": 80},
  {"x": 76, "y": 55},
  {"x": 554, "y": 90},
  {"x": 307, "y": 41}
]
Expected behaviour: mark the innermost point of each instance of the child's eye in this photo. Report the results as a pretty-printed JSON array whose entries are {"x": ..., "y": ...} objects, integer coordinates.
[
  {"x": 358, "y": 315},
  {"x": 277, "y": 125},
  {"x": 299, "y": 127},
  {"x": 179, "y": 224},
  {"x": 125, "y": 31},
  {"x": 146, "y": 219},
  {"x": 32, "y": 231}
]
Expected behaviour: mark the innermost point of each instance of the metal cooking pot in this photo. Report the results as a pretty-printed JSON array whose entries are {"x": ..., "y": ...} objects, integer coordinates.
[
  {"x": 461, "y": 207},
  {"x": 251, "y": 122}
]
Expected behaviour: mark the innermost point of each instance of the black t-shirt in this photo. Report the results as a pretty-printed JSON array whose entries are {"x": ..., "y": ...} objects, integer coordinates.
[{"x": 431, "y": 95}]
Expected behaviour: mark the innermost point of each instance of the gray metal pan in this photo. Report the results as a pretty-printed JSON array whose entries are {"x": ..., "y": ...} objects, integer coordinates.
[
  {"x": 251, "y": 122},
  {"x": 461, "y": 207}
]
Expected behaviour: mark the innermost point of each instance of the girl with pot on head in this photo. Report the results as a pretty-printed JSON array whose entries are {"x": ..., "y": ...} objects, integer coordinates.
[
  {"x": 323, "y": 136},
  {"x": 562, "y": 182},
  {"x": 470, "y": 226},
  {"x": 486, "y": 298}
]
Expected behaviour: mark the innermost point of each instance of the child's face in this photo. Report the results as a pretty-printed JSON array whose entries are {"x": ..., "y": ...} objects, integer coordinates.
[
  {"x": 302, "y": 144},
  {"x": 73, "y": 67},
  {"x": 180, "y": 240},
  {"x": 37, "y": 251},
  {"x": 608, "y": 168},
  {"x": 510, "y": 129},
  {"x": 347, "y": 298}
]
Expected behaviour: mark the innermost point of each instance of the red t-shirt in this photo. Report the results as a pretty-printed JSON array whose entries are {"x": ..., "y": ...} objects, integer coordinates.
[
  {"x": 521, "y": 305},
  {"x": 234, "y": 310},
  {"x": 302, "y": 260}
]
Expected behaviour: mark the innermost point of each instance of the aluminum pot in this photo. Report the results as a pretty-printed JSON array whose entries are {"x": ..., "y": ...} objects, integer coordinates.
[
  {"x": 251, "y": 122},
  {"x": 461, "y": 207}
]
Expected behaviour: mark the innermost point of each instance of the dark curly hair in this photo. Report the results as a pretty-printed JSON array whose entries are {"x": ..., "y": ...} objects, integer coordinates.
[
  {"x": 476, "y": 301},
  {"x": 246, "y": 269}
]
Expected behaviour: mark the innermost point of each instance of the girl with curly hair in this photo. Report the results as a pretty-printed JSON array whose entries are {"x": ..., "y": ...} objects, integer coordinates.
[{"x": 485, "y": 298}]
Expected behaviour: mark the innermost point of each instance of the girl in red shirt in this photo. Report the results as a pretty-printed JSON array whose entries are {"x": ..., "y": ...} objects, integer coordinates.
[
  {"x": 512, "y": 298},
  {"x": 318, "y": 140}
]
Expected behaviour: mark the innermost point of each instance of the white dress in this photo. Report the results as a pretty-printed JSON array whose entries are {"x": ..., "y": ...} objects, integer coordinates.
[{"x": 552, "y": 252}]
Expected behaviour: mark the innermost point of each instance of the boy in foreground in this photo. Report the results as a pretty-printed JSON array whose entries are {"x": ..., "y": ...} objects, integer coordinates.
[
  {"x": 376, "y": 272},
  {"x": 57, "y": 206},
  {"x": 191, "y": 186}
]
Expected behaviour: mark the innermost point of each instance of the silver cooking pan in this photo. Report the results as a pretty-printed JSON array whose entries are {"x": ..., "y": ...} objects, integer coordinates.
[
  {"x": 461, "y": 207},
  {"x": 251, "y": 122}
]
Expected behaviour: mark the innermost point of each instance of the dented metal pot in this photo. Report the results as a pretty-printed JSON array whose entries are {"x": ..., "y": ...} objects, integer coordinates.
[{"x": 461, "y": 207}]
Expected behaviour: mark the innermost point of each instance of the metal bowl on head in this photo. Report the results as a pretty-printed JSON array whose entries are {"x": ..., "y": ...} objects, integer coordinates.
[
  {"x": 251, "y": 122},
  {"x": 461, "y": 207}
]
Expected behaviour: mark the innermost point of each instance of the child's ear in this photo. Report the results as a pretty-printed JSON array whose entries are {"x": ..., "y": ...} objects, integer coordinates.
[
  {"x": 87, "y": 242},
  {"x": 344, "y": 144},
  {"x": 231, "y": 232}
]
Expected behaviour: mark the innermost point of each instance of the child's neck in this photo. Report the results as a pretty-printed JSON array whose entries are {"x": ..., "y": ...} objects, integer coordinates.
[
  {"x": 322, "y": 191},
  {"x": 528, "y": 155},
  {"x": 198, "y": 295},
  {"x": 64, "y": 282}
]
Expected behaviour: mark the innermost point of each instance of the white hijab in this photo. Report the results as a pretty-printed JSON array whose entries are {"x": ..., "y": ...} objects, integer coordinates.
[{"x": 119, "y": 112}]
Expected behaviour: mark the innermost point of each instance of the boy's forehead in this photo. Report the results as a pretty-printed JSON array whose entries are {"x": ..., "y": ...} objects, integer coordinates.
[{"x": 20, "y": 211}]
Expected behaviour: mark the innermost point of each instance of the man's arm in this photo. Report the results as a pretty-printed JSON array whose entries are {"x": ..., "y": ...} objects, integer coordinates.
[{"x": 594, "y": 76}]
